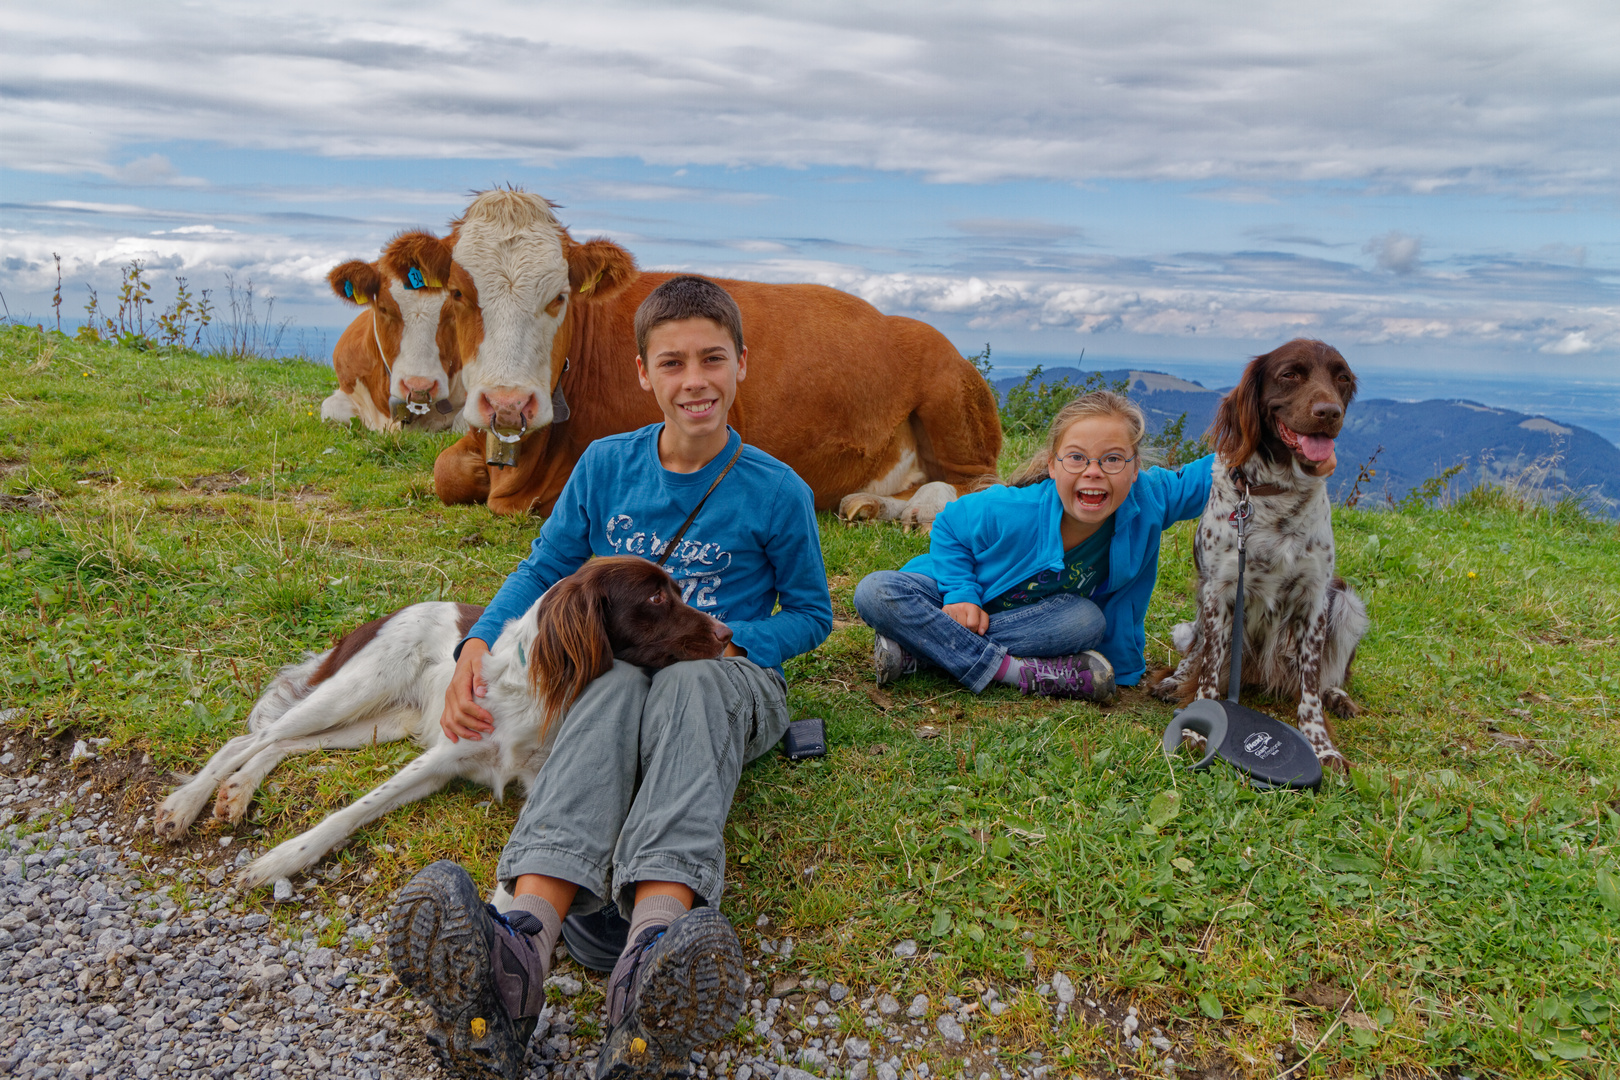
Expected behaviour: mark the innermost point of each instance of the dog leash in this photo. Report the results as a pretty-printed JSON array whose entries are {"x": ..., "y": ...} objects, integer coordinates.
[{"x": 669, "y": 548}]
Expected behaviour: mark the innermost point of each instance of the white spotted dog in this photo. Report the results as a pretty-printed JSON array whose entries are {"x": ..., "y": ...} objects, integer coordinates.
[
  {"x": 1273, "y": 434},
  {"x": 387, "y": 679}
]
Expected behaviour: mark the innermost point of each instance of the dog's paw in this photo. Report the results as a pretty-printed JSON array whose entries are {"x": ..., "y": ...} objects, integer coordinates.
[
  {"x": 1340, "y": 703},
  {"x": 1335, "y": 763},
  {"x": 1166, "y": 689},
  {"x": 861, "y": 506},
  {"x": 168, "y": 824},
  {"x": 232, "y": 803}
]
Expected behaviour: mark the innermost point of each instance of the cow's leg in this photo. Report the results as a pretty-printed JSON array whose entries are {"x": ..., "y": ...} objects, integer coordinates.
[
  {"x": 460, "y": 474},
  {"x": 370, "y": 415},
  {"x": 236, "y": 793},
  {"x": 338, "y": 408},
  {"x": 1311, "y": 721},
  {"x": 176, "y": 813},
  {"x": 418, "y": 779}
]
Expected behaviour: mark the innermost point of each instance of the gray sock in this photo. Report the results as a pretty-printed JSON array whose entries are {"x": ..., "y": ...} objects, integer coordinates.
[
  {"x": 654, "y": 911},
  {"x": 550, "y": 921}
]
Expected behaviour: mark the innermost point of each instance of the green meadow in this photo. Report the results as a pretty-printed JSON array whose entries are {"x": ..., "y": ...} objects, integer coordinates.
[{"x": 174, "y": 527}]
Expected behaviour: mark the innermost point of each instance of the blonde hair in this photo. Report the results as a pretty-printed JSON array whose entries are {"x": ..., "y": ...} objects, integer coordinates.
[{"x": 1092, "y": 403}]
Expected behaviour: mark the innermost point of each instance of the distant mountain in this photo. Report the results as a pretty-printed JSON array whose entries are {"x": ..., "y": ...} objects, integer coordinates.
[{"x": 1420, "y": 439}]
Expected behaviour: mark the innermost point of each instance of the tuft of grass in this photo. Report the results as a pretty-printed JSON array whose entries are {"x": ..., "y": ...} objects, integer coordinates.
[{"x": 202, "y": 527}]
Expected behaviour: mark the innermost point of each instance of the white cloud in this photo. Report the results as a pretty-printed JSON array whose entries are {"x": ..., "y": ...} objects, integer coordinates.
[
  {"x": 1400, "y": 93},
  {"x": 1571, "y": 344},
  {"x": 1395, "y": 252}
]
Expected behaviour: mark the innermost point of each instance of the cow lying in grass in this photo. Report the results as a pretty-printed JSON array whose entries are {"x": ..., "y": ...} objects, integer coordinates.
[
  {"x": 357, "y": 693},
  {"x": 879, "y": 414},
  {"x": 395, "y": 365}
]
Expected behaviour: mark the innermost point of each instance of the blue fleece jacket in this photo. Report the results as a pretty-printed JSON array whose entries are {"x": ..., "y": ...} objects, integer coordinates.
[
  {"x": 754, "y": 545},
  {"x": 985, "y": 543}
]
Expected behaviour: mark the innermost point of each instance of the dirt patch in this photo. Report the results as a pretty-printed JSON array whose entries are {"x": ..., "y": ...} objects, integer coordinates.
[
  {"x": 217, "y": 482},
  {"x": 34, "y": 504}
]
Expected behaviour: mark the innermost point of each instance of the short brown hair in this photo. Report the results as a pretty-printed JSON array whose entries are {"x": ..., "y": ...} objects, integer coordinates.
[{"x": 688, "y": 297}]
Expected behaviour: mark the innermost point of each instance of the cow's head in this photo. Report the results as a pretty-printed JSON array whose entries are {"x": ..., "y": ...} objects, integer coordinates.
[
  {"x": 408, "y": 302},
  {"x": 516, "y": 274}
]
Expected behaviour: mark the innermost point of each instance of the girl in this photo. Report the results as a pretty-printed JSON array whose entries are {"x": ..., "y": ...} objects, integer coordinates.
[{"x": 1042, "y": 583}]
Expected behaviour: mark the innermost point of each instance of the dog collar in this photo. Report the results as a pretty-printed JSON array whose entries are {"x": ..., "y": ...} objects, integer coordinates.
[{"x": 1241, "y": 482}]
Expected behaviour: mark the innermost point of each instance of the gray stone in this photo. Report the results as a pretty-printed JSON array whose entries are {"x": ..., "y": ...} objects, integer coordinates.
[
  {"x": 950, "y": 1029},
  {"x": 885, "y": 1071},
  {"x": 837, "y": 992},
  {"x": 906, "y": 948},
  {"x": 283, "y": 893},
  {"x": 565, "y": 984},
  {"x": 856, "y": 1048},
  {"x": 887, "y": 1005},
  {"x": 1063, "y": 986},
  {"x": 918, "y": 1007}
]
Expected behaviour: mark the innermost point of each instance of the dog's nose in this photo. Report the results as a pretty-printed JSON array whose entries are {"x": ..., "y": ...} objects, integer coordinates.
[
  {"x": 721, "y": 631},
  {"x": 1327, "y": 410}
]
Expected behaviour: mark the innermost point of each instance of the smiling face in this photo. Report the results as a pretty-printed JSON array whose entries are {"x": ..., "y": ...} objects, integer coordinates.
[
  {"x": 1091, "y": 495},
  {"x": 692, "y": 367}
]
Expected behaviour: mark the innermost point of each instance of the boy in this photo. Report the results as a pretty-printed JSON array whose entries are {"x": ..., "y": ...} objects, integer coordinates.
[{"x": 644, "y": 767}]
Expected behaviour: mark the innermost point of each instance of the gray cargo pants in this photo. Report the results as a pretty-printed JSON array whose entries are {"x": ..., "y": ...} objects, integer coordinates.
[{"x": 641, "y": 777}]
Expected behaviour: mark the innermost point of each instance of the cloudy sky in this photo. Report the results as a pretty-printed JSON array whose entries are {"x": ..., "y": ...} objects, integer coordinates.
[{"x": 1424, "y": 184}]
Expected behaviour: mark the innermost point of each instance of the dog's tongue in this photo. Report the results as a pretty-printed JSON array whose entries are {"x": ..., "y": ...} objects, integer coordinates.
[{"x": 1316, "y": 447}]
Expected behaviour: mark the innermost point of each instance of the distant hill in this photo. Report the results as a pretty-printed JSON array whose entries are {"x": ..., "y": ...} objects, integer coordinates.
[{"x": 1420, "y": 439}]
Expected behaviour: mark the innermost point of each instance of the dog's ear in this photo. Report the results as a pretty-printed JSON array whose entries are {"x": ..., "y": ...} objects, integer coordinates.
[
  {"x": 572, "y": 646},
  {"x": 1239, "y": 423}
]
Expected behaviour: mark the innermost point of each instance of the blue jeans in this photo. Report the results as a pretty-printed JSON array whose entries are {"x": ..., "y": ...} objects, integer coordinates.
[{"x": 909, "y": 609}]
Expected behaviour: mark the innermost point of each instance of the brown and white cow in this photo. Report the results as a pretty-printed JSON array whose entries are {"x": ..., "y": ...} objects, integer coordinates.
[
  {"x": 880, "y": 415},
  {"x": 396, "y": 363}
]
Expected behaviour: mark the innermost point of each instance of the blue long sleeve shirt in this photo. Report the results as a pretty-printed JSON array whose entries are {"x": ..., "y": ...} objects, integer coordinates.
[
  {"x": 985, "y": 543},
  {"x": 754, "y": 546}
]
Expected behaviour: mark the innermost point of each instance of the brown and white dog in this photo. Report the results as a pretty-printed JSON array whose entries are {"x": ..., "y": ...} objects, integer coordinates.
[
  {"x": 1301, "y": 623},
  {"x": 387, "y": 680}
]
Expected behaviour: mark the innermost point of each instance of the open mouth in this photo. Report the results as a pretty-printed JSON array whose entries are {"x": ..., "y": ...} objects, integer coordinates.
[
  {"x": 1309, "y": 447},
  {"x": 1091, "y": 498}
]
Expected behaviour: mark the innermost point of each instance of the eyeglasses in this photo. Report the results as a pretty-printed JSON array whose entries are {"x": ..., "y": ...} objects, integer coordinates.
[{"x": 1112, "y": 464}]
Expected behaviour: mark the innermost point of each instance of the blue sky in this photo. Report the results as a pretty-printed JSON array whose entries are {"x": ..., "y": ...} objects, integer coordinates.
[{"x": 1425, "y": 185}]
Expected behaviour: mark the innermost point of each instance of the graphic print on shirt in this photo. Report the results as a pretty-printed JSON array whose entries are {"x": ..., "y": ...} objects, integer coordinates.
[{"x": 696, "y": 567}]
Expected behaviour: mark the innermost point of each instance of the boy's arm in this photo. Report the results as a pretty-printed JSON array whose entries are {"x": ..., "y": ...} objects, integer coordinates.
[
  {"x": 953, "y": 562},
  {"x": 794, "y": 553},
  {"x": 561, "y": 548}
]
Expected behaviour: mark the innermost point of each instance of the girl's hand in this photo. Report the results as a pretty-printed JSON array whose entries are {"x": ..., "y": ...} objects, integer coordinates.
[
  {"x": 1325, "y": 468},
  {"x": 971, "y": 616},
  {"x": 464, "y": 717}
]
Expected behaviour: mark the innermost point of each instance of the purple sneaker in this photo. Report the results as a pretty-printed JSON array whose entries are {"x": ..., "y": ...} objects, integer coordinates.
[{"x": 1086, "y": 675}]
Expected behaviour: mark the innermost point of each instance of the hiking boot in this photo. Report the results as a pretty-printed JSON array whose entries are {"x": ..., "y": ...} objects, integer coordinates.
[
  {"x": 1086, "y": 675},
  {"x": 675, "y": 988},
  {"x": 478, "y": 970},
  {"x": 891, "y": 661}
]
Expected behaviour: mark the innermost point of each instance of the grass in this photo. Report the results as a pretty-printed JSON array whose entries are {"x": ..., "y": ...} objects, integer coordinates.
[{"x": 203, "y": 527}]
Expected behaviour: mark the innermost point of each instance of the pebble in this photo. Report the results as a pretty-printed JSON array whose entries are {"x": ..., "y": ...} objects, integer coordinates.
[
  {"x": 918, "y": 1007},
  {"x": 887, "y": 1005},
  {"x": 950, "y": 1029},
  {"x": 1063, "y": 986},
  {"x": 283, "y": 892},
  {"x": 906, "y": 948},
  {"x": 566, "y": 985},
  {"x": 1128, "y": 1028},
  {"x": 837, "y": 992},
  {"x": 885, "y": 1071}
]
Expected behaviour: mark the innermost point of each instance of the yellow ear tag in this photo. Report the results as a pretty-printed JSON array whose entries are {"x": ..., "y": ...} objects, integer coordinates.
[
  {"x": 435, "y": 284},
  {"x": 362, "y": 299},
  {"x": 479, "y": 1027},
  {"x": 591, "y": 284}
]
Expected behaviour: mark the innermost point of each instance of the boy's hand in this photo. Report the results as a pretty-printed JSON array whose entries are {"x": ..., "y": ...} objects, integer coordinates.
[
  {"x": 463, "y": 717},
  {"x": 1326, "y": 467},
  {"x": 972, "y": 616}
]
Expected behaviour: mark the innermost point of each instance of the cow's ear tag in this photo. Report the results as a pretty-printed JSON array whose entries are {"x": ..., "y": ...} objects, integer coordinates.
[
  {"x": 590, "y": 285},
  {"x": 414, "y": 279},
  {"x": 348, "y": 288},
  {"x": 432, "y": 284}
]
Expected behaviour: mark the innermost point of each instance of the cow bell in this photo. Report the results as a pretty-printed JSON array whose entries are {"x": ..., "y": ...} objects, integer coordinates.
[
  {"x": 501, "y": 445},
  {"x": 420, "y": 403}
]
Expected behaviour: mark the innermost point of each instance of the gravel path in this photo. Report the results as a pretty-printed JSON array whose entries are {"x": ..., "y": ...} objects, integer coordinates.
[{"x": 117, "y": 964}]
